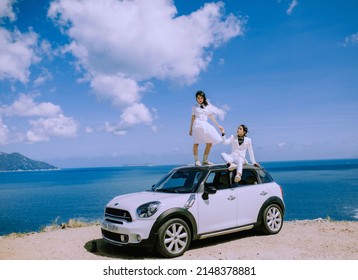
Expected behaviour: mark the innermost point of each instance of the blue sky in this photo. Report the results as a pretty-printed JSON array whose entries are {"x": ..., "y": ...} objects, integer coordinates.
[{"x": 106, "y": 83}]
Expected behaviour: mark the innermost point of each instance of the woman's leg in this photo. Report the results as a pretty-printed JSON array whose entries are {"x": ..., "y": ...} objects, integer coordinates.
[
  {"x": 206, "y": 153},
  {"x": 240, "y": 164},
  {"x": 195, "y": 152},
  {"x": 229, "y": 160}
]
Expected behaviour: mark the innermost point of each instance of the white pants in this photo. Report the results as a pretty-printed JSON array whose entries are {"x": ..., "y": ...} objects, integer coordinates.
[{"x": 239, "y": 161}]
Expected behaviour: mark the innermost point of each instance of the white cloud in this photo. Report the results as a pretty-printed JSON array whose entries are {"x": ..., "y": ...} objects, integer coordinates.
[
  {"x": 114, "y": 129},
  {"x": 4, "y": 133},
  {"x": 119, "y": 132},
  {"x": 44, "y": 76},
  {"x": 351, "y": 40},
  {"x": 89, "y": 129},
  {"x": 155, "y": 128},
  {"x": 17, "y": 54},
  {"x": 124, "y": 44},
  {"x": 59, "y": 126},
  {"x": 136, "y": 114},
  {"x": 282, "y": 145},
  {"x": 6, "y": 9},
  {"x": 293, "y": 5},
  {"x": 46, "y": 48},
  {"x": 50, "y": 121},
  {"x": 18, "y": 51},
  {"x": 117, "y": 88},
  {"x": 26, "y": 107}
]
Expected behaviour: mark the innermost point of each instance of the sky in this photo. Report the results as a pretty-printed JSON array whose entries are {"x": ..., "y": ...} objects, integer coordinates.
[{"x": 87, "y": 83}]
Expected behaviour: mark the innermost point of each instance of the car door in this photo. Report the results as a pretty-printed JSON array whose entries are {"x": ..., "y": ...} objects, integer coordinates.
[
  {"x": 250, "y": 197},
  {"x": 219, "y": 210}
]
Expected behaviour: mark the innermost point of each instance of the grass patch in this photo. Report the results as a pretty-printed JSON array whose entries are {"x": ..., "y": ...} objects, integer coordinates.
[
  {"x": 71, "y": 223},
  {"x": 55, "y": 225}
]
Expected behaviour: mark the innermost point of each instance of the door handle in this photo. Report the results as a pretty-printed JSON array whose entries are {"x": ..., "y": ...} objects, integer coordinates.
[
  {"x": 231, "y": 197},
  {"x": 263, "y": 193}
]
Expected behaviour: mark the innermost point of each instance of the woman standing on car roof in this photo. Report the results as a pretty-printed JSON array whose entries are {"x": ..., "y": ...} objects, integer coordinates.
[
  {"x": 239, "y": 145},
  {"x": 201, "y": 130}
]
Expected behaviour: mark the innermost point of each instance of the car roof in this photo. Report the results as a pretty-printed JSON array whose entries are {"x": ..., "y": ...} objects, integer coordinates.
[{"x": 213, "y": 167}]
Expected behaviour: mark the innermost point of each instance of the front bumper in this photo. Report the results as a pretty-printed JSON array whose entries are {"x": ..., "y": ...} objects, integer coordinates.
[{"x": 136, "y": 233}]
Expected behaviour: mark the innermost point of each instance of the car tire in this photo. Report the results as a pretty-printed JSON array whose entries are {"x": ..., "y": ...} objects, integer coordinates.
[
  {"x": 174, "y": 238},
  {"x": 272, "y": 219}
]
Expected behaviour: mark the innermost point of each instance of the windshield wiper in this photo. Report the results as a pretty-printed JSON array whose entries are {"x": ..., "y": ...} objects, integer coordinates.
[{"x": 166, "y": 190}]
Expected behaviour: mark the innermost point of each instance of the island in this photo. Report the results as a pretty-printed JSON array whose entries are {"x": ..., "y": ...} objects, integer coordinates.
[{"x": 18, "y": 162}]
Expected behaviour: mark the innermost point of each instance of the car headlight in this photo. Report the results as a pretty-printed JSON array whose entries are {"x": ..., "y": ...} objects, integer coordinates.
[{"x": 147, "y": 210}]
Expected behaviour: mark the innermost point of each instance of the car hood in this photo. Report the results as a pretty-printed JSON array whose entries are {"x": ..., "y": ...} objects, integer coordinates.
[{"x": 132, "y": 201}]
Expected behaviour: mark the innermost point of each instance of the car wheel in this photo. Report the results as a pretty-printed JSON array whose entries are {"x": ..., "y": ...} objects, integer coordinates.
[
  {"x": 174, "y": 238},
  {"x": 272, "y": 219}
]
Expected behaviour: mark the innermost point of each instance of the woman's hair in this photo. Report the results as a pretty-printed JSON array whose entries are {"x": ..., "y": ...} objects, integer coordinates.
[
  {"x": 245, "y": 129},
  {"x": 202, "y": 94}
]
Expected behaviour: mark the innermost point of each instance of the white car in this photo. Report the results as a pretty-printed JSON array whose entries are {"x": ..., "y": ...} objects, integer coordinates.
[{"x": 191, "y": 203}]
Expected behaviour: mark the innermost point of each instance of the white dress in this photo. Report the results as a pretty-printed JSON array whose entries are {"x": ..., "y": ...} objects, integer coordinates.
[{"x": 203, "y": 131}]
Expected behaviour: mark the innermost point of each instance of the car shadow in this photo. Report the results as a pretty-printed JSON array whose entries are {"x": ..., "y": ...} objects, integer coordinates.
[{"x": 102, "y": 248}]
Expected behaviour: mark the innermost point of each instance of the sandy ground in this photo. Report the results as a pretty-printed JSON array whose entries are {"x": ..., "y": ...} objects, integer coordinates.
[{"x": 298, "y": 240}]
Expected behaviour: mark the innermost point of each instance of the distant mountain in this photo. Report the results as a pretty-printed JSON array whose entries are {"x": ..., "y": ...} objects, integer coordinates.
[{"x": 18, "y": 162}]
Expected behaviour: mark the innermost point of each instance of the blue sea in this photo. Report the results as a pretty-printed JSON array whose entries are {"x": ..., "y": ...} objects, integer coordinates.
[{"x": 33, "y": 199}]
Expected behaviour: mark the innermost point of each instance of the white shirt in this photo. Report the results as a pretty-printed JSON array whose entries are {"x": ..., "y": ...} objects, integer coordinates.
[{"x": 240, "y": 150}]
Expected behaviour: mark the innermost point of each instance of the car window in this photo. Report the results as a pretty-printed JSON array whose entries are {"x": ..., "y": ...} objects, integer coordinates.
[
  {"x": 210, "y": 180},
  {"x": 264, "y": 176},
  {"x": 180, "y": 181},
  {"x": 218, "y": 179},
  {"x": 248, "y": 178}
]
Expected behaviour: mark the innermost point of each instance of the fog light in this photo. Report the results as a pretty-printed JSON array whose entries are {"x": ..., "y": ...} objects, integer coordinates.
[
  {"x": 139, "y": 238},
  {"x": 124, "y": 238}
]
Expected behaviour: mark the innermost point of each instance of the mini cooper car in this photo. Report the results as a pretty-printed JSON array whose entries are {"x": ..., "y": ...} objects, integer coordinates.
[{"x": 191, "y": 203}]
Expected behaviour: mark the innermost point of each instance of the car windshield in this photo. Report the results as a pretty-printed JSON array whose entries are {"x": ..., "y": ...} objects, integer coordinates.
[{"x": 179, "y": 181}]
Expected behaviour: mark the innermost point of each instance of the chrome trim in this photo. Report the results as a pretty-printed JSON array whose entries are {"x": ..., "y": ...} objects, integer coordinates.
[{"x": 217, "y": 233}]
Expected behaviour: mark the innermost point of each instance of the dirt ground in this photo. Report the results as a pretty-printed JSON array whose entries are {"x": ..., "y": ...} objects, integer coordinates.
[{"x": 298, "y": 240}]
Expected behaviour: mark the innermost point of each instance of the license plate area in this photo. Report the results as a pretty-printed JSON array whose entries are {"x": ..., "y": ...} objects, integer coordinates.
[{"x": 110, "y": 226}]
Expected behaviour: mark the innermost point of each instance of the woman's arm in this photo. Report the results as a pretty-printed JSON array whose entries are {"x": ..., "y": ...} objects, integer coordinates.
[
  {"x": 216, "y": 123},
  {"x": 191, "y": 125},
  {"x": 251, "y": 154},
  {"x": 227, "y": 141}
]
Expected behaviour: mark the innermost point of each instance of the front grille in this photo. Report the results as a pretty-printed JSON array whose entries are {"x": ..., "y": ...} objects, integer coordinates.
[{"x": 117, "y": 214}]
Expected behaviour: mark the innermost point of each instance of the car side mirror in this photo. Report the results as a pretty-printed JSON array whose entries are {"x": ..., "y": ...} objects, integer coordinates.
[{"x": 208, "y": 190}]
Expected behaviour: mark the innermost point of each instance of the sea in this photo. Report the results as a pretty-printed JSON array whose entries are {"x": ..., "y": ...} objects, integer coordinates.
[{"x": 31, "y": 200}]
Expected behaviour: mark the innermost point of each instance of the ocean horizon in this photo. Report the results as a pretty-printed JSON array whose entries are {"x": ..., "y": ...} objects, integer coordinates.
[{"x": 31, "y": 200}]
